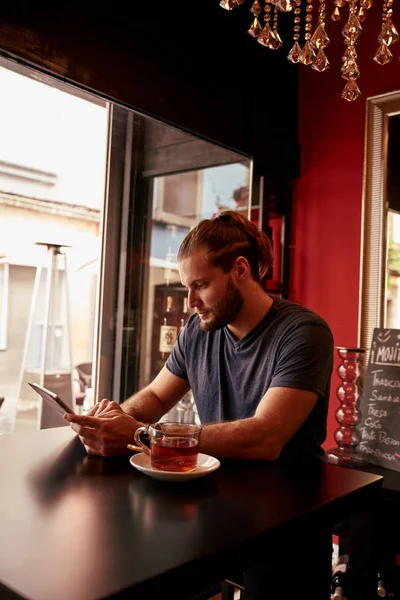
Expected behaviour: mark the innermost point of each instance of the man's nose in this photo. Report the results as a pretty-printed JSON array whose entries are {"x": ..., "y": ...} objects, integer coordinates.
[{"x": 193, "y": 299}]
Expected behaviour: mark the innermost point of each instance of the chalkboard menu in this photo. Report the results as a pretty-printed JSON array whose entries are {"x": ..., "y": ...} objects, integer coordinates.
[{"x": 380, "y": 402}]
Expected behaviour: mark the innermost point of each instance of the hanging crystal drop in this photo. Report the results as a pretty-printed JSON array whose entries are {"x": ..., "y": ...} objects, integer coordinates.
[
  {"x": 336, "y": 16},
  {"x": 284, "y": 5},
  {"x": 255, "y": 28},
  {"x": 350, "y": 52},
  {"x": 278, "y": 39},
  {"x": 383, "y": 55},
  {"x": 267, "y": 38},
  {"x": 307, "y": 55},
  {"x": 366, "y": 4},
  {"x": 389, "y": 34},
  {"x": 362, "y": 13},
  {"x": 351, "y": 91},
  {"x": 256, "y": 8},
  {"x": 353, "y": 28},
  {"x": 319, "y": 39},
  {"x": 321, "y": 63},
  {"x": 228, "y": 4},
  {"x": 350, "y": 70},
  {"x": 294, "y": 54}
]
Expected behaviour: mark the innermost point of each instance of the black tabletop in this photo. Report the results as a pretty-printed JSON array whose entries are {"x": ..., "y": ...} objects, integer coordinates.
[
  {"x": 390, "y": 483},
  {"x": 79, "y": 527}
]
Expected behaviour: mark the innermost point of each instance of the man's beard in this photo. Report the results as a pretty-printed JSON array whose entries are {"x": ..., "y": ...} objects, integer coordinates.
[{"x": 225, "y": 311}]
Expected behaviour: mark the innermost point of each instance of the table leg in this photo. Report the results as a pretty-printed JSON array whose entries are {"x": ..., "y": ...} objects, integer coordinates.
[
  {"x": 358, "y": 540},
  {"x": 300, "y": 566}
]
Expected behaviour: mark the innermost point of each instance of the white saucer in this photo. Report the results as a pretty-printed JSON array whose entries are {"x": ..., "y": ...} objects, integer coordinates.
[{"x": 205, "y": 465}]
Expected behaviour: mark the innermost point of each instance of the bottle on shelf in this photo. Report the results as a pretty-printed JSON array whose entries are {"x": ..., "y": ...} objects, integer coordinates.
[
  {"x": 380, "y": 586},
  {"x": 385, "y": 583},
  {"x": 168, "y": 330},
  {"x": 340, "y": 578},
  {"x": 184, "y": 314}
]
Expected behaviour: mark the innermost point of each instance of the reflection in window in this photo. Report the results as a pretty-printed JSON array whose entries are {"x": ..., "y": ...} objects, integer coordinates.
[
  {"x": 393, "y": 225},
  {"x": 393, "y": 272},
  {"x": 179, "y": 202}
]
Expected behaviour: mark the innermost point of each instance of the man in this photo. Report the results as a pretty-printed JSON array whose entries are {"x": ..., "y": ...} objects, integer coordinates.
[{"x": 259, "y": 367}]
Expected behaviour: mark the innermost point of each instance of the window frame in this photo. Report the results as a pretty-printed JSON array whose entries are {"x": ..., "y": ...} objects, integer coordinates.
[
  {"x": 374, "y": 243},
  {"x": 4, "y": 295}
]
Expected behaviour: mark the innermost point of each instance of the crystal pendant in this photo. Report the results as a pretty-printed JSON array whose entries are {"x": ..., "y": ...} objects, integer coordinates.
[
  {"x": 350, "y": 69},
  {"x": 350, "y": 52},
  {"x": 366, "y": 4},
  {"x": 278, "y": 39},
  {"x": 284, "y": 5},
  {"x": 336, "y": 16},
  {"x": 340, "y": 3},
  {"x": 353, "y": 28},
  {"x": 362, "y": 13},
  {"x": 267, "y": 38},
  {"x": 228, "y": 4},
  {"x": 295, "y": 53},
  {"x": 256, "y": 8},
  {"x": 319, "y": 39},
  {"x": 321, "y": 63},
  {"x": 307, "y": 55},
  {"x": 255, "y": 28},
  {"x": 389, "y": 34},
  {"x": 351, "y": 91},
  {"x": 383, "y": 55}
]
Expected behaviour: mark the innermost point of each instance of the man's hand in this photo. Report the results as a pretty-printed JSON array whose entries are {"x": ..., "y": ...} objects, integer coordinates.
[
  {"x": 103, "y": 407},
  {"x": 106, "y": 430}
]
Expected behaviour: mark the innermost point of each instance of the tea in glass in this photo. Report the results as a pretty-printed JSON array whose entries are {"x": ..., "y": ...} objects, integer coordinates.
[{"x": 173, "y": 446}]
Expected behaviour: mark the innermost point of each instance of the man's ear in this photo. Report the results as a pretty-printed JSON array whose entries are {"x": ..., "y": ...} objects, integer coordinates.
[{"x": 241, "y": 268}]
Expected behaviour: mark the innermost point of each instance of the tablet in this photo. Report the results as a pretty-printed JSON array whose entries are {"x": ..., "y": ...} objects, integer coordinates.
[{"x": 51, "y": 398}]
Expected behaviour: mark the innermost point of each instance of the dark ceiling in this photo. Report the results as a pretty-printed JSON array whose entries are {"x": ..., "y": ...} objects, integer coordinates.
[{"x": 189, "y": 63}]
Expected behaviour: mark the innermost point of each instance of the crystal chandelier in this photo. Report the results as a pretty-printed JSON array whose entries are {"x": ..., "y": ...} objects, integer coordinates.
[{"x": 315, "y": 42}]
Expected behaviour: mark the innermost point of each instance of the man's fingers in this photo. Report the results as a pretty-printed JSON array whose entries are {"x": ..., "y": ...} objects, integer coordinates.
[
  {"x": 102, "y": 405},
  {"x": 112, "y": 406},
  {"x": 102, "y": 408},
  {"x": 84, "y": 420},
  {"x": 92, "y": 412},
  {"x": 89, "y": 446},
  {"x": 87, "y": 432}
]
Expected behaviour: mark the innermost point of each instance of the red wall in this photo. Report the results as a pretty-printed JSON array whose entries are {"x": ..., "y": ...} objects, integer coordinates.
[{"x": 327, "y": 197}]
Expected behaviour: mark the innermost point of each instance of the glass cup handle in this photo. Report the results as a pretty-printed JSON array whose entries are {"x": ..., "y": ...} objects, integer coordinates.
[{"x": 139, "y": 442}]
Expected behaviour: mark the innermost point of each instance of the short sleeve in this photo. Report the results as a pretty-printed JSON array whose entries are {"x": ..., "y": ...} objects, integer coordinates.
[
  {"x": 176, "y": 362},
  {"x": 305, "y": 359}
]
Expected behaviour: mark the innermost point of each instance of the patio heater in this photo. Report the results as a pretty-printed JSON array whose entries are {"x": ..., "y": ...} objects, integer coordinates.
[{"x": 47, "y": 355}]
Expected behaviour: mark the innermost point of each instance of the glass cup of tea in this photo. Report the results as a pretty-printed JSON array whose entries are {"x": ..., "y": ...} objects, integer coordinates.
[{"x": 173, "y": 446}]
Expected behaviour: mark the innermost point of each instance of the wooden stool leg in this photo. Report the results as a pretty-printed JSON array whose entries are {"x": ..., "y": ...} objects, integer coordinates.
[{"x": 227, "y": 591}]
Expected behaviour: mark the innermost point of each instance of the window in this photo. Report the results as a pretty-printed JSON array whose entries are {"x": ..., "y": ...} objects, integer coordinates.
[
  {"x": 4, "y": 270},
  {"x": 379, "y": 293},
  {"x": 114, "y": 192}
]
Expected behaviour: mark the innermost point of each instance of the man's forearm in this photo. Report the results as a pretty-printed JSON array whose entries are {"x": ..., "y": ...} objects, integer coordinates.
[
  {"x": 247, "y": 439},
  {"x": 144, "y": 406}
]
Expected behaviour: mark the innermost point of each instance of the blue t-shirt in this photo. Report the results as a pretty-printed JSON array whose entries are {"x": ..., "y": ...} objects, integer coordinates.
[{"x": 291, "y": 347}]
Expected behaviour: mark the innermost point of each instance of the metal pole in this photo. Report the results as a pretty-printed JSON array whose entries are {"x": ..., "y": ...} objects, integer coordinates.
[
  {"x": 68, "y": 319},
  {"x": 35, "y": 294},
  {"x": 46, "y": 326}
]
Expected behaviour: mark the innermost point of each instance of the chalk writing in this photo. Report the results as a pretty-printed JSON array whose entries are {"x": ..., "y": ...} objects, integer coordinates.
[{"x": 379, "y": 425}]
